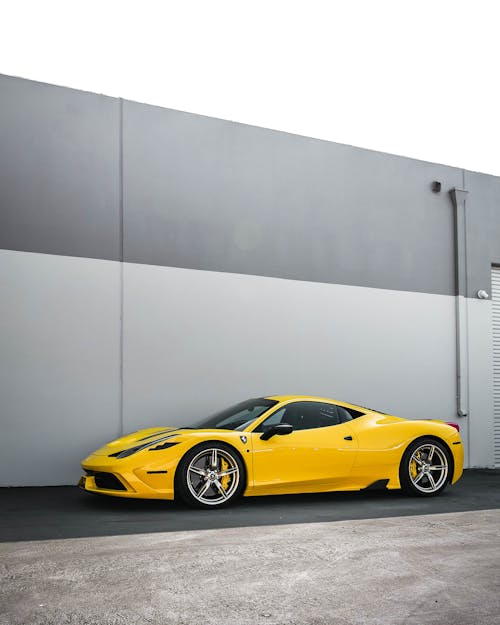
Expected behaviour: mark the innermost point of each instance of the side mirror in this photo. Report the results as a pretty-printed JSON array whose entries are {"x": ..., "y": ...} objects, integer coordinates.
[{"x": 282, "y": 429}]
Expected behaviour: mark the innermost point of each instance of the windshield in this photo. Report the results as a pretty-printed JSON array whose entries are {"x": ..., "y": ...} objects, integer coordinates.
[{"x": 236, "y": 417}]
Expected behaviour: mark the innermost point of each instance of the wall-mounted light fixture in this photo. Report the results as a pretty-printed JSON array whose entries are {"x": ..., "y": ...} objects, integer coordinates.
[
  {"x": 436, "y": 186},
  {"x": 482, "y": 294}
]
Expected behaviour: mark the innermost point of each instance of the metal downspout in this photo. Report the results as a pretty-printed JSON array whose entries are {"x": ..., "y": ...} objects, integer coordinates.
[{"x": 458, "y": 198}]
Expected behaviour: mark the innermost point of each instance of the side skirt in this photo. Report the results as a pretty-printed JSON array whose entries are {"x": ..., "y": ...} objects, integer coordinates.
[{"x": 378, "y": 485}]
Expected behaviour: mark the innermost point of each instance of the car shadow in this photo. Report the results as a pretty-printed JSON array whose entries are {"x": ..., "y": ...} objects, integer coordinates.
[{"x": 67, "y": 512}]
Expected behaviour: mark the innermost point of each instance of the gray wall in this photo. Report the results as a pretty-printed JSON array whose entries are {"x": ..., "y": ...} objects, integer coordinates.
[
  {"x": 483, "y": 229},
  {"x": 203, "y": 193},
  {"x": 255, "y": 262},
  {"x": 59, "y": 170}
]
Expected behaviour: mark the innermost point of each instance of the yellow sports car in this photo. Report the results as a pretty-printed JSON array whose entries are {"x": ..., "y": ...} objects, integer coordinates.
[{"x": 278, "y": 445}]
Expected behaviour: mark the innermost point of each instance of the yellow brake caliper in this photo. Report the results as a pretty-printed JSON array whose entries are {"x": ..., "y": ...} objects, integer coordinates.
[
  {"x": 413, "y": 467},
  {"x": 224, "y": 466}
]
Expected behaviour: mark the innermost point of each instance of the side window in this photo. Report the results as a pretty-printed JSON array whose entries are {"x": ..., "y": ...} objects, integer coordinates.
[
  {"x": 354, "y": 413},
  {"x": 306, "y": 415},
  {"x": 274, "y": 419},
  {"x": 344, "y": 414}
]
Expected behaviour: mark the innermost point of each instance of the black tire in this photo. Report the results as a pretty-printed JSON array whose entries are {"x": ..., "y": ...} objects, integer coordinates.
[
  {"x": 201, "y": 484},
  {"x": 416, "y": 473}
]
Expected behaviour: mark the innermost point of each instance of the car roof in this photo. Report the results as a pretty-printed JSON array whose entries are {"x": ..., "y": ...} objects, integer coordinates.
[{"x": 281, "y": 398}]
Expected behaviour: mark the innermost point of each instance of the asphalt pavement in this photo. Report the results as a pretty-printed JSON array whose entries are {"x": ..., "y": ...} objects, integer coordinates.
[{"x": 67, "y": 512}]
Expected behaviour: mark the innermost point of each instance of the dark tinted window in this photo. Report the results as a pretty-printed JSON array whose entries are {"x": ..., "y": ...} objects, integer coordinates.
[
  {"x": 307, "y": 415},
  {"x": 236, "y": 417},
  {"x": 344, "y": 414},
  {"x": 354, "y": 413}
]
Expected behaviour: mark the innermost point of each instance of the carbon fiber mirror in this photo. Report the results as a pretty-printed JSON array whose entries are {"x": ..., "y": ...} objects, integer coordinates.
[{"x": 281, "y": 429}]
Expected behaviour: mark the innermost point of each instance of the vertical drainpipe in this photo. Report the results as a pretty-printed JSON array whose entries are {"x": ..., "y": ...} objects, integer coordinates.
[{"x": 458, "y": 198}]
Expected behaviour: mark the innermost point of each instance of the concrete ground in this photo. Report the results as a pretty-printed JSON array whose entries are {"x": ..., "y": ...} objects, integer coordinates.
[
  {"x": 342, "y": 559},
  {"x": 433, "y": 569}
]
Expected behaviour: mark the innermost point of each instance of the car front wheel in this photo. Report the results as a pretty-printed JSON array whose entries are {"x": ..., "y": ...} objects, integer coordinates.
[
  {"x": 210, "y": 475},
  {"x": 425, "y": 468}
]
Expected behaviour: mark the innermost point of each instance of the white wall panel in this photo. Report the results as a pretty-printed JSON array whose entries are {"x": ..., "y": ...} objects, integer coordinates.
[
  {"x": 479, "y": 452},
  {"x": 59, "y": 364},
  {"x": 195, "y": 341}
]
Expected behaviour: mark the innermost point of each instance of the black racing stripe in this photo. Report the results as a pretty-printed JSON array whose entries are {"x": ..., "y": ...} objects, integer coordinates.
[{"x": 158, "y": 434}]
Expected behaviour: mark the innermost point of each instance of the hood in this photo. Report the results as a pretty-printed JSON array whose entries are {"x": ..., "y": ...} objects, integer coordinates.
[{"x": 136, "y": 438}]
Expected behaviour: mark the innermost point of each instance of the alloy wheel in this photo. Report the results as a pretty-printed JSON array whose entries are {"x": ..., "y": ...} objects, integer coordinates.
[
  {"x": 213, "y": 476},
  {"x": 428, "y": 468}
]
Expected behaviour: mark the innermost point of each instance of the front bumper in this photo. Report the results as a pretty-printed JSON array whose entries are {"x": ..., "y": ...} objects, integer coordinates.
[
  {"x": 119, "y": 479},
  {"x": 100, "y": 480}
]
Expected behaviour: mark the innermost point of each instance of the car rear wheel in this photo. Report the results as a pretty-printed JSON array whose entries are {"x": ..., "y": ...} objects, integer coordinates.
[
  {"x": 425, "y": 468},
  {"x": 210, "y": 475}
]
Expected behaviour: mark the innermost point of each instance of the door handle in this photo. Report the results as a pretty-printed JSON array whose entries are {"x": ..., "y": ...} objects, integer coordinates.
[{"x": 348, "y": 438}]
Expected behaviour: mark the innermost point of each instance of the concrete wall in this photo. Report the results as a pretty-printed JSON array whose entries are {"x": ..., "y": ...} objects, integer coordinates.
[
  {"x": 483, "y": 229},
  {"x": 59, "y": 170},
  {"x": 203, "y": 193},
  {"x": 194, "y": 339},
  {"x": 59, "y": 364},
  {"x": 254, "y": 262}
]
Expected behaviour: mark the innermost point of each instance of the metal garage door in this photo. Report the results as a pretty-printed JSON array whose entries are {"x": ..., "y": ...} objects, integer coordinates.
[{"x": 495, "y": 293}]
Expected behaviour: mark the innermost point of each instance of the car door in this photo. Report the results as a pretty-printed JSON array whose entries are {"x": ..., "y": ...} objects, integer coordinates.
[{"x": 317, "y": 456}]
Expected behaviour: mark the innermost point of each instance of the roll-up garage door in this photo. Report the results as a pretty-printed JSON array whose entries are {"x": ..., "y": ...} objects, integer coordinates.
[{"x": 495, "y": 294}]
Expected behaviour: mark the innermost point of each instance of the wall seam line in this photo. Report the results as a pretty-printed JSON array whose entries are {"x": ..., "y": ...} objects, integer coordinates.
[{"x": 121, "y": 228}]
